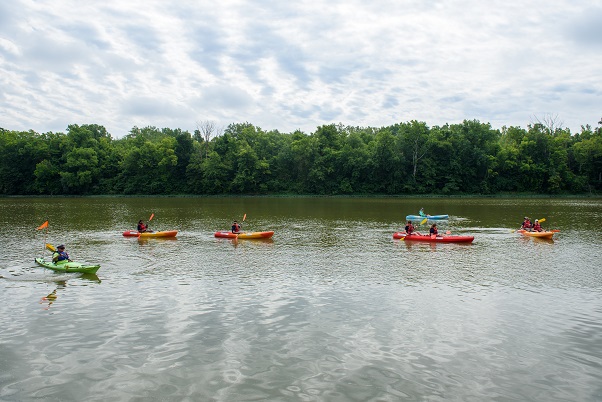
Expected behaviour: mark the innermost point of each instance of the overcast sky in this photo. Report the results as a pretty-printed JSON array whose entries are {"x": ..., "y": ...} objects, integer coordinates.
[{"x": 291, "y": 65}]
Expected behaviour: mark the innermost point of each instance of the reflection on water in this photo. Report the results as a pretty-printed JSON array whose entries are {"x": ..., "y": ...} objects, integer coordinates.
[{"x": 329, "y": 309}]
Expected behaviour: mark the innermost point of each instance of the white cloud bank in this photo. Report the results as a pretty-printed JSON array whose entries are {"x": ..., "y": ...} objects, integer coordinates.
[{"x": 298, "y": 65}]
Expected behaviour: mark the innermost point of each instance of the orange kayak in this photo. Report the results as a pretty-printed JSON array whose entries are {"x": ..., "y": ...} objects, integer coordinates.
[
  {"x": 244, "y": 235},
  {"x": 135, "y": 233},
  {"x": 541, "y": 235}
]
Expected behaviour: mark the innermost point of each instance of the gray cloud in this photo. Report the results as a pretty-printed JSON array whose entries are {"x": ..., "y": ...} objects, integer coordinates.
[
  {"x": 586, "y": 28},
  {"x": 152, "y": 107},
  {"x": 298, "y": 65},
  {"x": 226, "y": 97}
]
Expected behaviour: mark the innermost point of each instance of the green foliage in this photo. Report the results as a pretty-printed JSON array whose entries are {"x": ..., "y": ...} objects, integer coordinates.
[{"x": 405, "y": 158}]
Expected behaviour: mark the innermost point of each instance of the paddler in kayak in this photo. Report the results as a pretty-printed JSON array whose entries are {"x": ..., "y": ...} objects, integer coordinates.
[
  {"x": 235, "y": 227},
  {"x": 433, "y": 230},
  {"x": 410, "y": 229},
  {"x": 60, "y": 254},
  {"x": 526, "y": 224},
  {"x": 142, "y": 227},
  {"x": 536, "y": 226}
]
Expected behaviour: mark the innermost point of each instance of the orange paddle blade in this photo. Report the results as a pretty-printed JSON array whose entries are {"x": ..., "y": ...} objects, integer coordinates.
[
  {"x": 43, "y": 225},
  {"x": 151, "y": 218},
  {"x": 244, "y": 217}
]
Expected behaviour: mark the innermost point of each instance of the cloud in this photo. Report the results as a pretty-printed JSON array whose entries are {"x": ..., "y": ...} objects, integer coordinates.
[
  {"x": 586, "y": 28},
  {"x": 297, "y": 65},
  {"x": 226, "y": 97}
]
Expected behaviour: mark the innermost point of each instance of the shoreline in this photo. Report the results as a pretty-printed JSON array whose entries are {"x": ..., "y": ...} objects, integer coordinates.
[{"x": 400, "y": 196}]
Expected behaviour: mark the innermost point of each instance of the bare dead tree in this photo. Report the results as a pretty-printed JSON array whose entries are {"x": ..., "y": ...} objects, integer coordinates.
[
  {"x": 552, "y": 123},
  {"x": 417, "y": 155},
  {"x": 208, "y": 130}
]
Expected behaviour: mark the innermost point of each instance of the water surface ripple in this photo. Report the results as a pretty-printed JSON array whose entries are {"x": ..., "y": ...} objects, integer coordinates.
[{"x": 331, "y": 309}]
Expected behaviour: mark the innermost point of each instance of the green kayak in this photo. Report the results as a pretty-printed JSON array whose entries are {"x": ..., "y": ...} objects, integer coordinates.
[{"x": 68, "y": 266}]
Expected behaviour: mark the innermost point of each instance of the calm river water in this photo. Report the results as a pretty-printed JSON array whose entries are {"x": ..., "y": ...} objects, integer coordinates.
[{"x": 332, "y": 308}]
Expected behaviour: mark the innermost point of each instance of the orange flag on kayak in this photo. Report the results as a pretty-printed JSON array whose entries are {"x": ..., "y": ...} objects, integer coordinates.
[{"x": 43, "y": 225}]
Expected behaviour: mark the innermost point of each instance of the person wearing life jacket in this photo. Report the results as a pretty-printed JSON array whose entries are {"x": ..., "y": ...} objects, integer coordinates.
[
  {"x": 141, "y": 226},
  {"x": 536, "y": 226},
  {"x": 235, "y": 227},
  {"x": 60, "y": 254},
  {"x": 433, "y": 230},
  {"x": 409, "y": 228},
  {"x": 526, "y": 224}
]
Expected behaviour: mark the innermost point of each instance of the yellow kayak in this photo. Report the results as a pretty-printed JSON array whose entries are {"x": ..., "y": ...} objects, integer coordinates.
[{"x": 542, "y": 235}]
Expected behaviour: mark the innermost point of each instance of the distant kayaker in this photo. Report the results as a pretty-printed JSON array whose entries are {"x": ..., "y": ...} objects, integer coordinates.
[
  {"x": 409, "y": 228},
  {"x": 433, "y": 230},
  {"x": 526, "y": 224},
  {"x": 60, "y": 254},
  {"x": 142, "y": 227},
  {"x": 536, "y": 226},
  {"x": 421, "y": 213},
  {"x": 235, "y": 227}
]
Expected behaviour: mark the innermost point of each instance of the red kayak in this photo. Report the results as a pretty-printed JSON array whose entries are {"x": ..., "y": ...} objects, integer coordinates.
[
  {"x": 245, "y": 235},
  {"x": 433, "y": 238}
]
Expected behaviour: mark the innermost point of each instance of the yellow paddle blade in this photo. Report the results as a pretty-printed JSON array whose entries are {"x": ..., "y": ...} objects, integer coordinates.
[
  {"x": 50, "y": 247},
  {"x": 542, "y": 220},
  {"x": 423, "y": 221}
]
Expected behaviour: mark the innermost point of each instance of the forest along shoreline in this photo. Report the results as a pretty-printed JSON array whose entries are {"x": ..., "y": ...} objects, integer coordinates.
[{"x": 404, "y": 159}]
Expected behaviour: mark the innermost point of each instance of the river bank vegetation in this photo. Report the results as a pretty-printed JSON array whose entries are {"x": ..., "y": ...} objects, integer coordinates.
[{"x": 406, "y": 158}]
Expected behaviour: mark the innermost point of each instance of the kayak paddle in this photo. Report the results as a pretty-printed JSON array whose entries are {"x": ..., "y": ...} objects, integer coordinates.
[
  {"x": 423, "y": 221},
  {"x": 50, "y": 247}
]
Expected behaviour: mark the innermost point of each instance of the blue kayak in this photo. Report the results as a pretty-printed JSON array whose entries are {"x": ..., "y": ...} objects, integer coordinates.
[{"x": 429, "y": 217}]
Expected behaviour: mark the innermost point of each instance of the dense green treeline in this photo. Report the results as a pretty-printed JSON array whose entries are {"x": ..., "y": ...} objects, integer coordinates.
[{"x": 406, "y": 158}]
